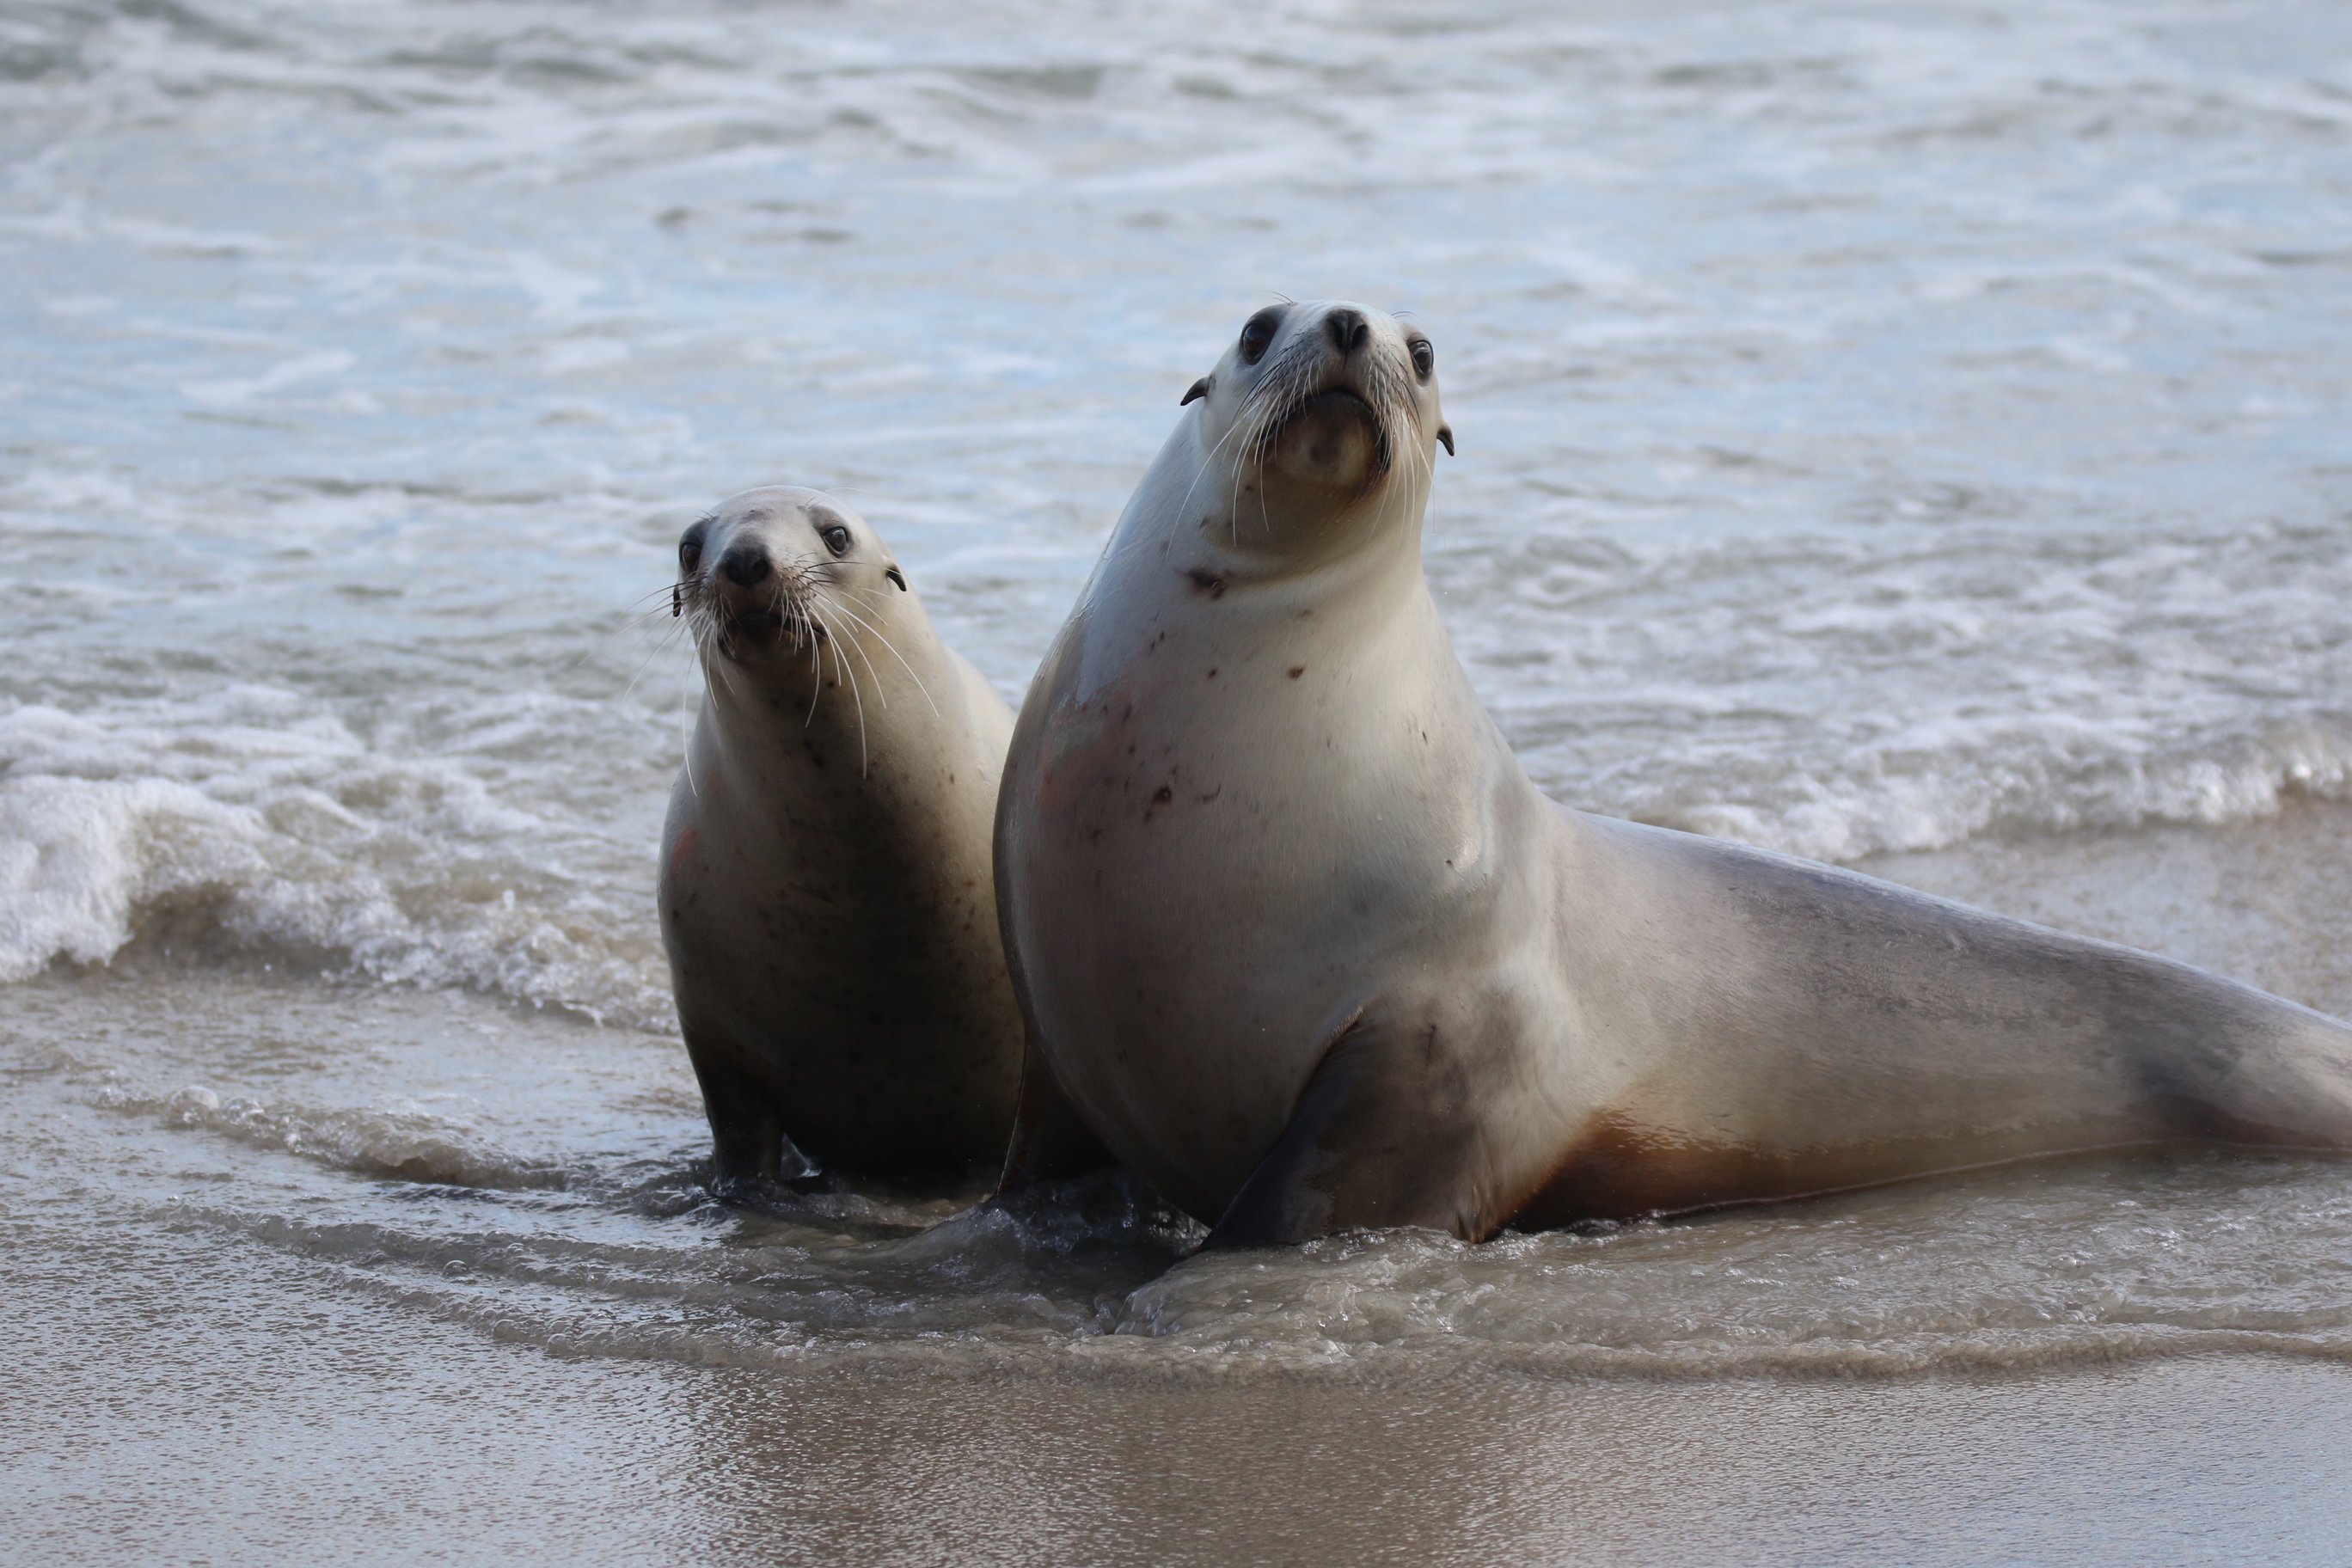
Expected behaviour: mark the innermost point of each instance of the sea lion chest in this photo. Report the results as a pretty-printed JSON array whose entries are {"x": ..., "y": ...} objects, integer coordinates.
[{"x": 1225, "y": 827}]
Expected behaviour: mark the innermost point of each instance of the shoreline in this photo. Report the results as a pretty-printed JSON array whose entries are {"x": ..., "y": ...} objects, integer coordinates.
[{"x": 244, "y": 1338}]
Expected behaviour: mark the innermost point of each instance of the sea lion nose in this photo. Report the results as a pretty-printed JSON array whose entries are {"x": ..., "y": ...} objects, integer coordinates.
[
  {"x": 744, "y": 564},
  {"x": 1350, "y": 331}
]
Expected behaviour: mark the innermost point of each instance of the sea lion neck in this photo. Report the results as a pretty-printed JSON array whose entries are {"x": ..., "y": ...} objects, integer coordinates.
[{"x": 1173, "y": 577}]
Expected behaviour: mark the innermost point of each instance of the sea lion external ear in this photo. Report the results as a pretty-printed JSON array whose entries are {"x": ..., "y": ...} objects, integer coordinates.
[
  {"x": 1446, "y": 435},
  {"x": 892, "y": 572},
  {"x": 1199, "y": 389}
]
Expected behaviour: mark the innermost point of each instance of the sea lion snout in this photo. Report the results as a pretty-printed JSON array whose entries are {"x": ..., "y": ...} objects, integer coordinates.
[
  {"x": 1345, "y": 391},
  {"x": 1334, "y": 439},
  {"x": 752, "y": 591},
  {"x": 1347, "y": 329},
  {"x": 747, "y": 564}
]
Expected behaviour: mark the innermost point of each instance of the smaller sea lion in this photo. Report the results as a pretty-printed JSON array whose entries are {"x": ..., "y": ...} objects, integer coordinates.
[{"x": 825, "y": 893}]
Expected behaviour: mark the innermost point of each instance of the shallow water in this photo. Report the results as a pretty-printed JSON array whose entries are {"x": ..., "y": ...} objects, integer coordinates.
[{"x": 1906, "y": 435}]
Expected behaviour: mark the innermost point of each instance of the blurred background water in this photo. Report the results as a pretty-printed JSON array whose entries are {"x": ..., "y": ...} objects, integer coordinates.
[{"x": 1903, "y": 434}]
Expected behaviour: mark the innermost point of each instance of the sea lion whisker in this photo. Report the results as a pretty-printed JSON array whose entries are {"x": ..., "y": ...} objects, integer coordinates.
[
  {"x": 825, "y": 647},
  {"x": 718, "y": 663},
  {"x": 844, "y": 609},
  {"x": 667, "y": 589},
  {"x": 715, "y": 645},
  {"x": 1301, "y": 364},
  {"x": 1243, "y": 426},
  {"x": 778, "y": 600},
  {"x": 816, "y": 672},
  {"x": 1256, "y": 416},
  {"x": 1295, "y": 392},
  {"x": 658, "y": 612},
  {"x": 721, "y": 667},
  {"x": 596, "y": 646},
  {"x": 875, "y": 594},
  {"x": 1397, "y": 414},
  {"x": 842, "y": 667},
  {"x": 646, "y": 663},
  {"x": 1240, "y": 422},
  {"x": 1300, "y": 370},
  {"x": 1259, "y": 414},
  {"x": 633, "y": 621},
  {"x": 1250, "y": 460},
  {"x": 857, "y": 646}
]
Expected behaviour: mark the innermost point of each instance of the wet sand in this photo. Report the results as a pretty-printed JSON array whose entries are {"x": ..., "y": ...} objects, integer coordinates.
[
  {"x": 289, "y": 1387},
  {"x": 271, "y": 1421}
]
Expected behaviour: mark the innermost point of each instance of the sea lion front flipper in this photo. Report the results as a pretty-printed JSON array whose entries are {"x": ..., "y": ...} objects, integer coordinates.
[
  {"x": 1382, "y": 1135},
  {"x": 1049, "y": 1142},
  {"x": 748, "y": 1145}
]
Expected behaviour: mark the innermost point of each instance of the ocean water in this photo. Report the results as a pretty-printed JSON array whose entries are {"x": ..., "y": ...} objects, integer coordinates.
[{"x": 1907, "y": 434}]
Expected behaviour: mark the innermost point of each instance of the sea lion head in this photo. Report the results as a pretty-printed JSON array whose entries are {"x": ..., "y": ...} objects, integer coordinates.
[
  {"x": 1320, "y": 408},
  {"x": 783, "y": 574}
]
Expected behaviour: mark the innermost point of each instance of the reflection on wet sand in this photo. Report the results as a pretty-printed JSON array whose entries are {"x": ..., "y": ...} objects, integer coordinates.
[{"x": 242, "y": 1412}]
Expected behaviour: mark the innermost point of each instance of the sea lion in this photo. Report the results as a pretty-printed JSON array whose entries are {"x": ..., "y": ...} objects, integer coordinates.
[
  {"x": 1299, "y": 942},
  {"x": 825, "y": 889}
]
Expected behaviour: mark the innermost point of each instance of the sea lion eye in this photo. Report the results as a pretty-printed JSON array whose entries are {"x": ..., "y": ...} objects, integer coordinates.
[
  {"x": 1257, "y": 336},
  {"x": 690, "y": 546},
  {"x": 1424, "y": 358},
  {"x": 835, "y": 537}
]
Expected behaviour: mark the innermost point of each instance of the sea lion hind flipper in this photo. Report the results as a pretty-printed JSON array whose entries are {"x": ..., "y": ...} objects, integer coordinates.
[
  {"x": 1050, "y": 1141},
  {"x": 1372, "y": 1142}
]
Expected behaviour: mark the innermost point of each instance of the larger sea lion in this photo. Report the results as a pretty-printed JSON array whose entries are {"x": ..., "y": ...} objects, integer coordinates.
[
  {"x": 1299, "y": 942},
  {"x": 824, "y": 886}
]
